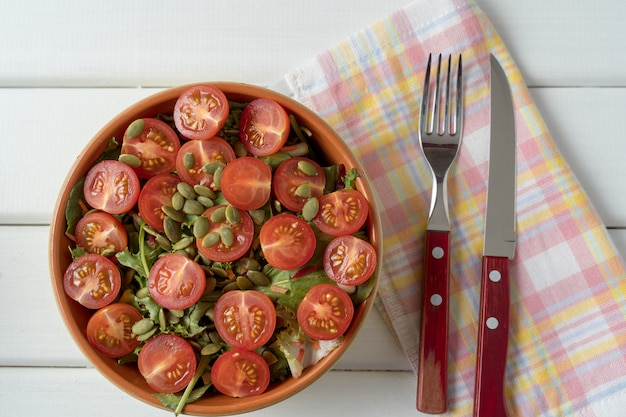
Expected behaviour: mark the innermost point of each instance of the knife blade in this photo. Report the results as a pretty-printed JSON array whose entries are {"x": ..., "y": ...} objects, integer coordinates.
[{"x": 499, "y": 248}]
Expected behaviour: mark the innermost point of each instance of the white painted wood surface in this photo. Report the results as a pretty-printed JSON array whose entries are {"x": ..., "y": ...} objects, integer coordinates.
[{"x": 67, "y": 67}]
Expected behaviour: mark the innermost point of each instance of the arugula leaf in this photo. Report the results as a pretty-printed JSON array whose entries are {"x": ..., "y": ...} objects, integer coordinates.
[
  {"x": 112, "y": 151},
  {"x": 363, "y": 291},
  {"x": 349, "y": 179},
  {"x": 74, "y": 208},
  {"x": 294, "y": 289},
  {"x": 148, "y": 253},
  {"x": 149, "y": 305},
  {"x": 172, "y": 401},
  {"x": 77, "y": 252},
  {"x": 190, "y": 322},
  {"x": 298, "y": 349},
  {"x": 131, "y": 260}
]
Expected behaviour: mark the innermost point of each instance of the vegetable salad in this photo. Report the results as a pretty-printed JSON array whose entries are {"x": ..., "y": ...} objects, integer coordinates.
[{"x": 217, "y": 251}]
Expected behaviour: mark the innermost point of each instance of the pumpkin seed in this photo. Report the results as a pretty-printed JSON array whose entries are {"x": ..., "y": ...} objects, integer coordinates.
[
  {"x": 205, "y": 191},
  {"x": 233, "y": 216},
  {"x": 178, "y": 313},
  {"x": 186, "y": 190},
  {"x": 212, "y": 167},
  {"x": 230, "y": 287},
  {"x": 173, "y": 214},
  {"x": 163, "y": 242},
  {"x": 171, "y": 319},
  {"x": 135, "y": 128},
  {"x": 217, "y": 177},
  {"x": 303, "y": 190},
  {"x": 205, "y": 201},
  {"x": 172, "y": 229},
  {"x": 142, "y": 326},
  {"x": 193, "y": 207},
  {"x": 278, "y": 208},
  {"x": 162, "y": 321},
  {"x": 275, "y": 159},
  {"x": 128, "y": 277},
  {"x": 201, "y": 227},
  {"x": 130, "y": 160},
  {"x": 227, "y": 237},
  {"x": 189, "y": 160},
  {"x": 217, "y": 271},
  {"x": 178, "y": 201},
  {"x": 149, "y": 230},
  {"x": 250, "y": 264},
  {"x": 215, "y": 337},
  {"x": 218, "y": 215},
  {"x": 244, "y": 283},
  {"x": 211, "y": 239},
  {"x": 142, "y": 292},
  {"x": 210, "y": 313},
  {"x": 258, "y": 278},
  {"x": 269, "y": 357},
  {"x": 210, "y": 349},
  {"x": 190, "y": 251},
  {"x": 182, "y": 243},
  {"x": 258, "y": 216},
  {"x": 239, "y": 149},
  {"x": 211, "y": 283},
  {"x": 307, "y": 168},
  {"x": 148, "y": 335},
  {"x": 310, "y": 209}
]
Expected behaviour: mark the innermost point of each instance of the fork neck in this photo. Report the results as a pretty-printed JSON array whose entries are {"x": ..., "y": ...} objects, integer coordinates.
[{"x": 438, "y": 218}]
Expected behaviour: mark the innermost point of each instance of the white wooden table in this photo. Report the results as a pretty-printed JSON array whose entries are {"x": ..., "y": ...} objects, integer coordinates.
[{"x": 67, "y": 67}]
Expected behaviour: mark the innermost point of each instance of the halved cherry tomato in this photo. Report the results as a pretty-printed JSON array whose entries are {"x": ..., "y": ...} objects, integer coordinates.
[
  {"x": 156, "y": 193},
  {"x": 245, "y": 319},
  {"x": 99, "y": 232},
  {"x": 263, "y": 127},
  {"x": 246, "y": 183},
  {"x": 287, "y": 241},
  {"x": 349, "y": 260},
  {"x": 167, "y": 362},
  {"x": 200, "y": 112},
  {"x": 240, "y": 373},
  {"x": 92, "y": 280},
  {"x": 156, "y": 146},
  {"x": 325, "y": 312},
  {"x": 211, "y": 150},
  {"x": 109, "y": 330},
  {"x": 342, "y": 212},
  {"x": 243, "y": 234},
  {"x": 111, "y": 186},
  {"x": 176, "y": 282},
  {"x": 288, "y": 177}
]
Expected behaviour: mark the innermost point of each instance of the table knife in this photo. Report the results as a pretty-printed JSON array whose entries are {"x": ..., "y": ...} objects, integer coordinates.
[{"x": 499, "y": 248}]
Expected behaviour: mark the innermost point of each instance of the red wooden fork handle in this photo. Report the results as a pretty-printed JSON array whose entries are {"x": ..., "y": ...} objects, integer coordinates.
[{"x": 433, "y": 347}]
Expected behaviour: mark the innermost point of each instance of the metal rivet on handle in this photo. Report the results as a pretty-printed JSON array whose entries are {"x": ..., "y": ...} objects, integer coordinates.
[
  {"x": 436, "y": 300},
  {"x": 495, "y": 276},
  {"x": 437, "y": 252},
  {"x": 492, "y": 323}
]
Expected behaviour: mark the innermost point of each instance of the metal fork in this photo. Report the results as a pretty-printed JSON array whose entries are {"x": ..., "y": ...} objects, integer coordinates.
[{"x": 440, "y": 137}]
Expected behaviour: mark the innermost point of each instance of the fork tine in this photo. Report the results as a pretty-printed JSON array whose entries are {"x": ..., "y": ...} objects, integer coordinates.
[
  {"x": 424, "y": 114},
  {"x": 435, "y": 119},
  {"x": 458, "y": 128},
  {"x": 448, "y": 124}
]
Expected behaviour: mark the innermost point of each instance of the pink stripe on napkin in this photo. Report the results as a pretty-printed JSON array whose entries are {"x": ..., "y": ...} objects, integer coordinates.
[{"x": 567, "y": 351}]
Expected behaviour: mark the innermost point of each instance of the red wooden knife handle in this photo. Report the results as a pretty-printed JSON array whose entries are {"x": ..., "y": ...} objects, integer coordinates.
[
  {"x": 493, "y": 333},
  {"x": 433, "y": 347}
]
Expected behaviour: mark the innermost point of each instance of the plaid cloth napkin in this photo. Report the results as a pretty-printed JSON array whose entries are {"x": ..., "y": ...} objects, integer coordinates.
[{"x": 567, "y": 344}]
